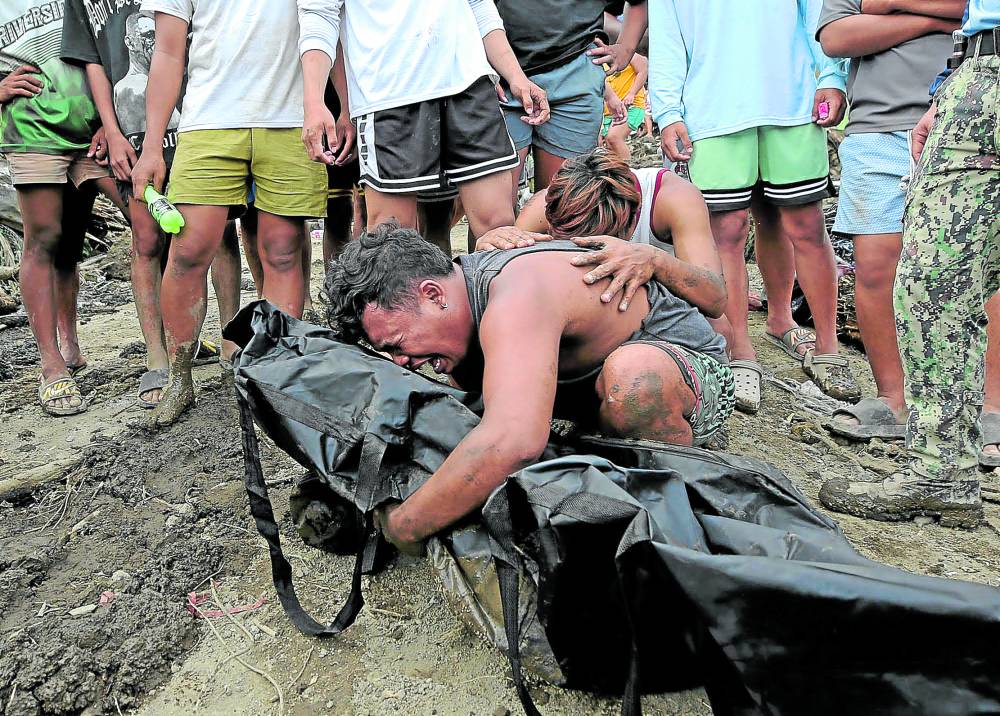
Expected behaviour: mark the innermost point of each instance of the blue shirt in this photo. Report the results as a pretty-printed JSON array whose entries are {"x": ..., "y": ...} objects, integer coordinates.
[
  {"x": 983, "y": 15},
  {"x": 727, "y": 65}
]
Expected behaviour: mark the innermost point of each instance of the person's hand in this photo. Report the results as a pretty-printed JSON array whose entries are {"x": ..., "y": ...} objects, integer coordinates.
[
  {"x": 533, "y": 99},
  {"x": 619, "y": 111},
  {"x": 628, "y": 265},
  {"x": 150, "y": 169},
  {"x": 675, "y": 142},
  {"x": 837, "y": 101},
  {"x": 385, "y": 524},
  {"x": 918, "y": 138},
  {"x": 346, "y": 136},
  {"x": 508, "y": 237},
  {"x": 319, "y": 133},
  {"x": 615, "y": 57},
  {"x": 878, "y": 7},
  {"x": 121, "y": 155},
  {"x": 98, "y": 148},
  {"x": 21, "y": 82},
  {"x": 628, "y": 100}
]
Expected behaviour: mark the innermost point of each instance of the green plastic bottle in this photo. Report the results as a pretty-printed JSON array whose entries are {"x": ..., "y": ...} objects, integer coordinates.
[{"x": 165, "y": 213}]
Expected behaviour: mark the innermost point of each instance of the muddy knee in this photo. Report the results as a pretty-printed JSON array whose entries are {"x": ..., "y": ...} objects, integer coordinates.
[{"x": 644, "y": 396}]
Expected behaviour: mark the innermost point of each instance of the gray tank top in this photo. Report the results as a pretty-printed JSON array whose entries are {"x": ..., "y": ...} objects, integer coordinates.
[{"x": 670, "y": 318}]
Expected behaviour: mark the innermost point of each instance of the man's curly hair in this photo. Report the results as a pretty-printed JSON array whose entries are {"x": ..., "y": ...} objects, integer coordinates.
[
  {"x": 592, "y": 194},
  {"x": 382, "y": 267}
]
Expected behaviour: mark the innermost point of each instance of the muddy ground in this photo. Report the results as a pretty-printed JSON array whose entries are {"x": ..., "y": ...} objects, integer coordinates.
[{"x": 145, "y": 520}]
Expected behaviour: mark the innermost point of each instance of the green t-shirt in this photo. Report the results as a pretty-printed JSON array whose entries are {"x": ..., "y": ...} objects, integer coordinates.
[{"x": 60, "y": 119}]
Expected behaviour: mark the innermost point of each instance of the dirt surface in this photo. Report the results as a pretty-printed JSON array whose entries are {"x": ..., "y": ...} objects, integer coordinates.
[{"x": 150, "y": 519}]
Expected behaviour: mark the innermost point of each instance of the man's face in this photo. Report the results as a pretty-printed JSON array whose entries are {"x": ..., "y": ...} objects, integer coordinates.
[
  {"x": 415, "y": 335},
  {"x": 143, "y": 38}
]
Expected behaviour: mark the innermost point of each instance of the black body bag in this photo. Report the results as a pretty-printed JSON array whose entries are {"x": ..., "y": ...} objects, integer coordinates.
[{"x": 614, "y": 566}]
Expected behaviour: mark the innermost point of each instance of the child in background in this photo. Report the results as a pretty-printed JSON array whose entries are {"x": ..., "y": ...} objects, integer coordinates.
[{"x": 629, "y": 87}]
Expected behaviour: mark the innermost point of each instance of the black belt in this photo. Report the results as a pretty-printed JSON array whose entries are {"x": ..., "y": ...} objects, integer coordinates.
[{"x": 983, "y": 43}]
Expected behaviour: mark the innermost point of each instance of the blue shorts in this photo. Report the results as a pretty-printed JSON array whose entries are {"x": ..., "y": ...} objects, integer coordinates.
[
  {"x": 874, "y": 166},
  {"x": 576, "y": 100}
]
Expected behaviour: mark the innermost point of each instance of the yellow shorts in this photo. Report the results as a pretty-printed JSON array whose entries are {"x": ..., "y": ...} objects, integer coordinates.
[
  {"x": 214, "y": 167},
  {"x": 36, "y": 168}
]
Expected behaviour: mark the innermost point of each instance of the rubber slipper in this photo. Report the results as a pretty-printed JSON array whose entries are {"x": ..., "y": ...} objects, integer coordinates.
[
  {"x": 64, "y": 387},
  {"x": 875, "y": 420},
  {"x": 746, "y": 379},
  {"x": 208, "y": 352},
  {"x": 832, "y": 373},
  {"x": 75, "y": 369},
  {"x": 151, "y": 380},
  {"x": 793, "y": 339},
  {"x": 989, "y": 427}
]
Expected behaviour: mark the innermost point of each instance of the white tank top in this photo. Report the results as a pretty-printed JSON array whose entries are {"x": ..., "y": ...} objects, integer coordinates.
[{"x": 648, "y": 179}]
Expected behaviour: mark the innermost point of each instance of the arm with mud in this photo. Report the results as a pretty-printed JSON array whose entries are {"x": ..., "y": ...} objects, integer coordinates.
[
  {"x": 521, "y": 347},
  {"x": 694, "y": 273}
]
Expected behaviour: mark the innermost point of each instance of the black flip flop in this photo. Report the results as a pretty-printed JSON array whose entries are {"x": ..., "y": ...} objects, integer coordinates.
[{"x": 151, "y": 380}]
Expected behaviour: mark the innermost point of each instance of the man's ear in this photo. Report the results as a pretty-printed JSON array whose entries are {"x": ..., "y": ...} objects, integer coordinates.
[{"x": 433, "y": 291}]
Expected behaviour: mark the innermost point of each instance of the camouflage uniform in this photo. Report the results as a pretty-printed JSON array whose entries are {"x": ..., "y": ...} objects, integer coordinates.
[{"x": 949, "y": 268}]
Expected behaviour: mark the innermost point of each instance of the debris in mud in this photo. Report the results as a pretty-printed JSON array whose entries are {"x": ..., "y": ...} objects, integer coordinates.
[
  {"x": 115, "y": 579},
  {"x": 135, "y": 349}
]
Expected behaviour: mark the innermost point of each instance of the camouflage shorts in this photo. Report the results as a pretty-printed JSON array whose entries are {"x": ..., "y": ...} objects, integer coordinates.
[{"x": 949, "y": 268}]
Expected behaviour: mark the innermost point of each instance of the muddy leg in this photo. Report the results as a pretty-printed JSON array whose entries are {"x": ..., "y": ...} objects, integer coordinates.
[
  {"x": 77, "y": 205},
  {"x": 435, "y": 222},
  {"x": 41, "y": 208},
  {"x": 991, "y": 401},
  {"x": 384, "y": 206},
  {"x": 148, "y": 244},
  {"x": 183, "y": 295},
  {"x": 731, "y": 229},
  {"x": 644, "y": 396},
  {"x": 226, "y": 281},
  {"x": 280, "y": 244},
  {"x": 337, "y": 228},
  {"x": 486, "y": 205},
  {"x": 248, "y": 235}
]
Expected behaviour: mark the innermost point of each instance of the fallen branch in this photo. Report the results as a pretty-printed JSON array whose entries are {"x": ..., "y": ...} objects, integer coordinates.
[{"x": 14, "y": 487}]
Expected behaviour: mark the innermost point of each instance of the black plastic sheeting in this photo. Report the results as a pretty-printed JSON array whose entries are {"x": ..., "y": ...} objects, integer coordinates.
[{"x": 655, "y": 567}]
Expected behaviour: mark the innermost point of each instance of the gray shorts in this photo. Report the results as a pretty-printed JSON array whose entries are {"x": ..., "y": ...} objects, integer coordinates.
[{"x": 576, "y": 99}]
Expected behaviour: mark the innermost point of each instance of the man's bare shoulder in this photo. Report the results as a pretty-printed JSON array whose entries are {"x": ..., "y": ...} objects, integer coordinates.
[{"x": 540, "y": 273}]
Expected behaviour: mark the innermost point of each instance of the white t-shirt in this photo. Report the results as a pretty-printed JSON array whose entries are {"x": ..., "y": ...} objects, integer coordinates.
[
  {"x": 399, "y": 52},
  {"x": 243, "y": 64}
]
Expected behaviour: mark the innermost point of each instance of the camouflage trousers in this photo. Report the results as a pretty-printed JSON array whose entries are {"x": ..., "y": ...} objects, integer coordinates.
[{"x": 949, "y": 268}]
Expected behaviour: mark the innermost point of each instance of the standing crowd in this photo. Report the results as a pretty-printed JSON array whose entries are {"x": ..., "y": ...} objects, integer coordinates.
[{"x": 385, "y": 117}]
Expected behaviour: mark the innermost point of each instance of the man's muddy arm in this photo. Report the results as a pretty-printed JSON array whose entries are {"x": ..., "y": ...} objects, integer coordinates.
[
  {"x": 519, "y": 386},
  {"x": 695, "y": 271}
]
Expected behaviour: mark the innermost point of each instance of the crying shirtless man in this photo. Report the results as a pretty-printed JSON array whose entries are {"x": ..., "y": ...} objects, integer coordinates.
[{"x": 523, "y": 328}]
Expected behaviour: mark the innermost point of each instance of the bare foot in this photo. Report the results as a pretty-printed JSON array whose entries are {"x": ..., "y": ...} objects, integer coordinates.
[
  {"x": 175, "y": 399},
  {"x": 178, "y": 396}
]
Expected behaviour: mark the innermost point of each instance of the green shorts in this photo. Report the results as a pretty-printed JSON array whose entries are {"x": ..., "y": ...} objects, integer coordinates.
[
  {"x": 786, "y": 166},
  {"x": 634, "y": 120},
  {"x": 215, "y": 167}
]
